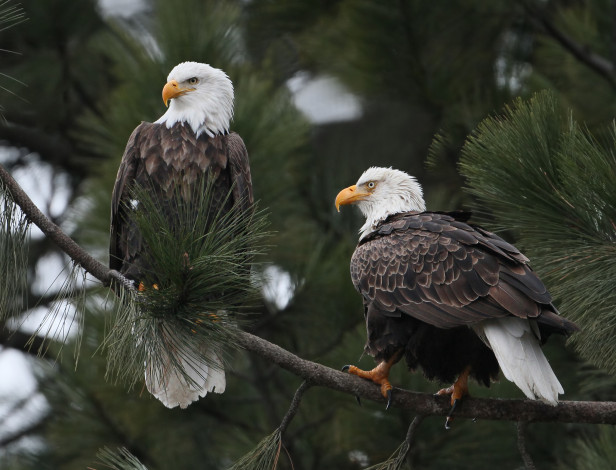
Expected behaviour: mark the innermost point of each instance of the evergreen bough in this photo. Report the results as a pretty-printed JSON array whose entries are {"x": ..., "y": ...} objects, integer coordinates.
[{"x": 543, "y": 176}]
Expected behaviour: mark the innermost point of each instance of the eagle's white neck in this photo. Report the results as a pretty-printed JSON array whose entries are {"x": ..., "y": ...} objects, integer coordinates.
[
  {"x": 207, "y": 114},
  {"x": 395, "y": 192}
]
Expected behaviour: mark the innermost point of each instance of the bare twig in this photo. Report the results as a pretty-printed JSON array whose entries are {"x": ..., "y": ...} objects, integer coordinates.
[
  {"x": 526, "y": 458},
  {"x": 294, "y": 406},
  {"x": 410, "y": 434}
]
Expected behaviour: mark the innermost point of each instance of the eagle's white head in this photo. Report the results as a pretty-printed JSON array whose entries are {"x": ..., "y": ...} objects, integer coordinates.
[
  {"x": 381, "y": 192},
  {"x": 200, "y": 96}
]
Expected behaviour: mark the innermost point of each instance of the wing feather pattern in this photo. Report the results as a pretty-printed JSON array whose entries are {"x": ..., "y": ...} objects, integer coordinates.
[
  {"x": 173, "y": 164},
  {"x": 169, "y": 160},
  {"x": 446, "y": 273}
]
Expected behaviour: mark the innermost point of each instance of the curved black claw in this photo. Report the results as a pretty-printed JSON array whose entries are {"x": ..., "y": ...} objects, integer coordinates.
[
  {"x": 449, "y": 418},
  {"x": 345, "y": 369},
  {"x": 389, "y": 395}
]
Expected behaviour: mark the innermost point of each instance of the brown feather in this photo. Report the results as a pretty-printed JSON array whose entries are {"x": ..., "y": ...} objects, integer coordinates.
[
  {"x": 169, "y": 159},
  {"x": 445, "y": 272},
  {"x": 426, "y": 277}
]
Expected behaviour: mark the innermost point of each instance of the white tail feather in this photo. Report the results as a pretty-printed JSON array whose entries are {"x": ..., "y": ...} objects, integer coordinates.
[
  {"x": 202, "y": 373},
  {"x": 520, "y": 357}
]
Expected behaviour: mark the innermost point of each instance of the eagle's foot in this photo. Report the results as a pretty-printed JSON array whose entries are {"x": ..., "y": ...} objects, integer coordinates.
[
  {"x": 142, "y": 287},
  {"x": 458, "y": 390},
  {"x": 379, "y": 375},
  {"x": 449, "y": 417}
]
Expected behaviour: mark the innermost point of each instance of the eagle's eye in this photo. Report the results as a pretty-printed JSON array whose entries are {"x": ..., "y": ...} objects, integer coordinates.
[
  {"x": 371, "y": 185},
  {"x": 193, "y": 81}
]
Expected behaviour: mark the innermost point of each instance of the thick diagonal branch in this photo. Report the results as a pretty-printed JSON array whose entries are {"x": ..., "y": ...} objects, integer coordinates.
[
  {"x": 426, "y": 404},
  {"x": 320, "y": 375}
]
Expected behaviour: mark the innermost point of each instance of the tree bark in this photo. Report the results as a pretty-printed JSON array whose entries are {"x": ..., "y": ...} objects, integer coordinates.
[
  {"x": 426, "y": 404},
  {"x": 320, "y": 375}
]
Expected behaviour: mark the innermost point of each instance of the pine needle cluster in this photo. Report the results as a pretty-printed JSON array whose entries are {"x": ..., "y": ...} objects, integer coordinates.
[
  {"x": 10, "y": 15},
  {"x": 196, "y": 285},
  {"x": 119, "y": 459},
  {"x": 264, "y": 456},
  {"x": 546, "y": 179},
  {"x": 396, "y": 461},
  {"x": 14, "y": 232}
]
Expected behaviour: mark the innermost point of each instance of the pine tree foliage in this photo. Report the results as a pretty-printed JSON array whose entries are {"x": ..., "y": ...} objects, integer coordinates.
[
  {"x": 264, "y": 456},
  {"x": 557, "y": 69},
  {"x": 546, "y": 178},
  {"x": 64, "y": 317},
  {"x": 10, "y": 14},
  {"x": 595, "y": 451},
  {"x": 198, "y": 284},
  {"x": 399, "y": 459},
  {"x": 14, "y": 232},
  {"x": 119, "y": 459}
]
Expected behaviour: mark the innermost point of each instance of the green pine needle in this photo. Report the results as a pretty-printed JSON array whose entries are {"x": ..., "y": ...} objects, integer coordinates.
[
  {"x": 10, "y": 15},
  {"x": 547, "y": 180},
  {"x": 592, "y": 452},
  {"x": 119, "y": 459},
  {"x": 197, "y": 280},
  {"x": 59, "y": 321},
  {"x": 396, "y": 461},
  {"x": 264, "y": 456},
  {"x": 14, "y": 231},
  {"x": 65, "y": 315}
]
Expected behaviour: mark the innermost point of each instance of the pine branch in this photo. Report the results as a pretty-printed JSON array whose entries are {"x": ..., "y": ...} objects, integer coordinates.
[
  {"x": 581, "y": 52},
  {"x": 297, "y": 398},
  {"x": 55, "y": 233},
  {"x": 319, "y": 375},
  {"x": 426, "y": 404},
  {"x": 119, "y": 459},
  {"x": 399, "y": 457},
  {"x": 266, "y": 454}
]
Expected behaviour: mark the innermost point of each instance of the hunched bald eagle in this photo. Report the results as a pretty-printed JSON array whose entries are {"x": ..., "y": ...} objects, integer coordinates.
[
  {"x": 452, "y": 298},
  {"x": 174, "y": 157}
]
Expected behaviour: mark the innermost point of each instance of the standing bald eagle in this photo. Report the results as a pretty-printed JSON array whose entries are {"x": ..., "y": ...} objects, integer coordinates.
[
  {"x": 450, "y": 297},
  {"x": 173, "y": 158}
]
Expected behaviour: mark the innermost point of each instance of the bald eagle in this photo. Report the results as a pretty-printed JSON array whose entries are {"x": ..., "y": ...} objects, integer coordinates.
[
  {"x": 451, "y": 298},
  {"x": 173, "y": 157}
]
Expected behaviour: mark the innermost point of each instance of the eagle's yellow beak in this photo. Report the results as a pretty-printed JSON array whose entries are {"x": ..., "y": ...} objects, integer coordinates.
[
  {"x": 172, "y": 90},
  {"x": 349, "y": 196}
]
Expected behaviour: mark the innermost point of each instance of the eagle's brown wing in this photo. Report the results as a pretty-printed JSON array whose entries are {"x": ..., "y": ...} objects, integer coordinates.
[
  {"x": 240, "y": 171},
  {"x": 171, "y": 163},
  {"x": 447, "y": 273},
  {"x": 126, "y": 174}
]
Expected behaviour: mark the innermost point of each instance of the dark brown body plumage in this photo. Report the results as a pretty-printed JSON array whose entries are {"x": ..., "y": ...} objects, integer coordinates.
[
  {"x": 426, "y": 278},
  {"x": 172, "y": 161}
]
